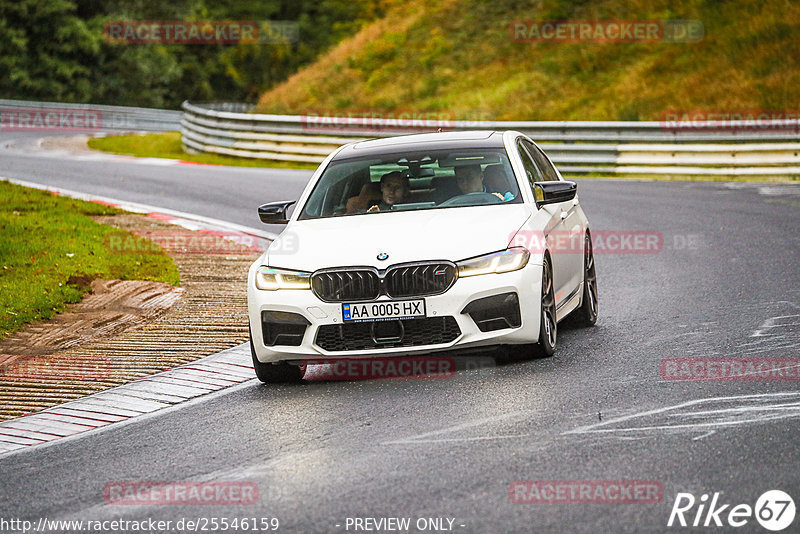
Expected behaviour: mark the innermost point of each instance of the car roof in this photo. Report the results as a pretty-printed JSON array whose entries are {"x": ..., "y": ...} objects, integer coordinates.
[{"x": 425, "y": 141}]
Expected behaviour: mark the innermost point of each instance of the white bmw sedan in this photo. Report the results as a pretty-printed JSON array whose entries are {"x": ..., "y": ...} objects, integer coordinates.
[{"x": 418, "y": 244}]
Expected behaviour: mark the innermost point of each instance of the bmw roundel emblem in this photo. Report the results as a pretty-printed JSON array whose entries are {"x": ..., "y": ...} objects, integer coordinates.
[{"x": 382, "y": 256}]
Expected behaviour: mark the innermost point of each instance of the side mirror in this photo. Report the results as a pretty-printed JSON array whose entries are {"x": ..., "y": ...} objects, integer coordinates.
[
  {"x": 553, "y": 192},
  {"x": 275, "y": 212}
]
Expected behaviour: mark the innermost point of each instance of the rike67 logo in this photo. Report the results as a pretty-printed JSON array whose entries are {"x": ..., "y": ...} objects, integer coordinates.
[{"x": 774, "y": 510}]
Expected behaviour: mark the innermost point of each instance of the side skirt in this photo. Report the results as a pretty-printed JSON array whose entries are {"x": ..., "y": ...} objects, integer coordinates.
[{"x": 570, "y": 303}]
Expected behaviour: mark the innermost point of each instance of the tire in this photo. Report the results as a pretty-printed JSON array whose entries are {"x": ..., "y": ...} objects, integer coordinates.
[
  {"x": 276, "y": 373},
  {"x": 586, "y": 314},
  {"x": 548, "y": 326}
]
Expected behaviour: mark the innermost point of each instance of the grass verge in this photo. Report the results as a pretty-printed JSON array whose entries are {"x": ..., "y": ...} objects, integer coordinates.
[
  {"x": 463, "y": 59},
  {"x": 168, "y": 145},
  {"x": 51, "y": 250}
]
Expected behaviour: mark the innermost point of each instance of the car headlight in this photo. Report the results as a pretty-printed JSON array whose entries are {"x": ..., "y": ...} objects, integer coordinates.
[
  {"x": 270, "y": 279},
  {"x": 505, "y": 261}
]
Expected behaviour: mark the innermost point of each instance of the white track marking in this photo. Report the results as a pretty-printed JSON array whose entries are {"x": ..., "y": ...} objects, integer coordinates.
[
  {"x": 703, "y": 436},
  {"x": 769, "y": 412},
  {"x": 775, "y": 322},
  {"x": 422, "y": 438}
]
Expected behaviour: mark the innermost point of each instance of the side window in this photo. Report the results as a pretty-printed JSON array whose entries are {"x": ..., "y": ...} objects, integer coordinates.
[
  {"x": 549, "y": 172},
  {"x": 531, "y": 171}
]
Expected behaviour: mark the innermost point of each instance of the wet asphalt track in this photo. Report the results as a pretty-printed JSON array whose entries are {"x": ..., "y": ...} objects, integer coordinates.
[{"x": 726, "y": 284}]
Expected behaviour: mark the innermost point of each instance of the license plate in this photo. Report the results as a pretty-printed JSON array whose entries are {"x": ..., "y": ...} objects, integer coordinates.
[{"x": 383, "y": 311}]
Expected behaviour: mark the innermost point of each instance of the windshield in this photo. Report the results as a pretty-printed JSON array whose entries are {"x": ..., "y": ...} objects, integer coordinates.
[{"x": 413, "y": 181}]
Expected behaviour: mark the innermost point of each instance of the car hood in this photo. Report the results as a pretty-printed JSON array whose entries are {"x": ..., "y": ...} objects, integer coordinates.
[{"x": 437, "y": 234}]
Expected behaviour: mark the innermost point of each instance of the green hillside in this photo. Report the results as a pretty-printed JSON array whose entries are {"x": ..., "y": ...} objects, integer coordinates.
[{"x": 457, "y": 56}]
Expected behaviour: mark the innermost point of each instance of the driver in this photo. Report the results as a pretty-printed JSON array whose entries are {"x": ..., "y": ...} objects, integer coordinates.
[
  {"x": 394, "y": 189},
  {"x": 469, "y": 179}
]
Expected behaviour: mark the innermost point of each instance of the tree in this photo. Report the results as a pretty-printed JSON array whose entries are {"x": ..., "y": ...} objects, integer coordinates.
[{"x": 45, "y": 50}]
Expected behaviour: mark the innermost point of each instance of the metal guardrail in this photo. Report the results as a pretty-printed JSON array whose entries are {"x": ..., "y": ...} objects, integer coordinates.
[
  {"x": 732, "y": 148},
  {"x": 108, "y": 118}
]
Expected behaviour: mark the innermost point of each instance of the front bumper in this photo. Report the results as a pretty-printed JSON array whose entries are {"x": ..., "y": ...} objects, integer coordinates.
[{"x": 526, "y": 283}]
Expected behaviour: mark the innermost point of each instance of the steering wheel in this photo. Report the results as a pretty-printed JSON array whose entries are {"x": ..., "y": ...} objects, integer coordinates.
[{"x": 479, "y": 198}]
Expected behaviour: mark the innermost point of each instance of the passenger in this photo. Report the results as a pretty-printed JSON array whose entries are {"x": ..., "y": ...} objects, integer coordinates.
[
  {"x": 369, "y": 195},
  {"x": 394, "y": 189}
]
